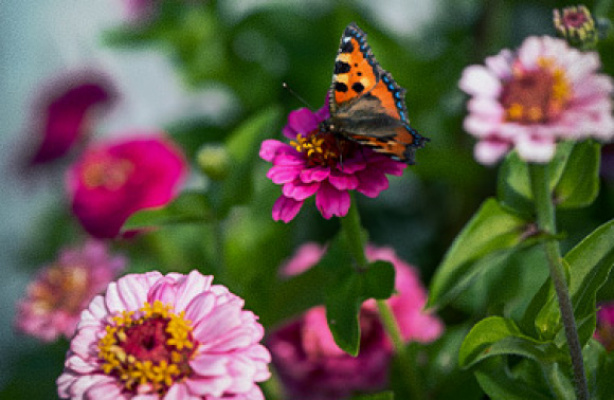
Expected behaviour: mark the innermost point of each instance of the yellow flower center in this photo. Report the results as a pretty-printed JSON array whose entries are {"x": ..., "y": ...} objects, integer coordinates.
[
  {"x": 150, "y": 348},
  {"x": 536, "y": 96},
  {"x": 107, "y": 172},
  {"x": 323, "y": 148}
]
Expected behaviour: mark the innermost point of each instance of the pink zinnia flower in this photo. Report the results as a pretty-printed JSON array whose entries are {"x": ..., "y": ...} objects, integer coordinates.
[
  {"x": 166, "y": 337},
  {"x": 63, "y": 289},
  {"x": 529, "y": 99},
  {"x": 605, "y": 326},
  {"x": 313, "y": 367},
  {"x": 321, "y": 164},
  {"x": 63, "y": 112},
  {"x": 113, "y": 180}
]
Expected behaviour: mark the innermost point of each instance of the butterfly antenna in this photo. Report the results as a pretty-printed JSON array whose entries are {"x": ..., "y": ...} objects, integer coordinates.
[{"x": 285, "y": 85}]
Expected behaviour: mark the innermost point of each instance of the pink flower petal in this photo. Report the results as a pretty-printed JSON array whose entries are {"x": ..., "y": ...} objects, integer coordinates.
[
  {"x": 314, "y": 174},
  {"x": 301, "y": 121},
  {"x": 285, "y": 209},
  {"x": 372, "y": 182},
  {"x": 298, "y": 190},
  {"x": 332, "y": 202},
  {"x": 534, "y": 149},
  {"x": 281, "y": 174},
  {"x": 477, "y": 80},
  {"x": 489, "y": 152},
  {"x": 343, "y": 181}
]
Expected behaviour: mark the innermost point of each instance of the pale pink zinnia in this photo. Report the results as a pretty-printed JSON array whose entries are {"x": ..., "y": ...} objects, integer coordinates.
[
  {"x": 321, "y": 164},
  {"x": 61, "y": 290},
  {"x": 528, "y": 99},
  {"x": 114, "y": 179},
  {"x": 174, "y": 336},
  {"x": 312, "y": 367}
]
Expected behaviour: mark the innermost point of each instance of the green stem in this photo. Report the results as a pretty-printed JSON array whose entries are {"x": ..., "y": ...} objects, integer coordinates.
[
  {"x": 352, "y": 229},
  {"x": 547, "y": 223}
]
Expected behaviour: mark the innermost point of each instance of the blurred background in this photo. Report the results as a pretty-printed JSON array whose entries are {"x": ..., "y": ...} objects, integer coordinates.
[{"x": 197, "y": 70}]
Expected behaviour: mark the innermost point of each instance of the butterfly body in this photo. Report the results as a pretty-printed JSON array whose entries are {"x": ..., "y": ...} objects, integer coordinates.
[{"x": 366, "y": 104}]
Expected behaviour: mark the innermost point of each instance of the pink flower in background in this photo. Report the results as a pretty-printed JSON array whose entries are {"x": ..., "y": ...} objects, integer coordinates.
[
  {"x": 113, "y": 180},
  {"x": 63, "y": 113},
  {"x": 166, "y": 337},
  {"x": 320, "y": 164},
  {"x": 527, "y": 100},
  {"x": 313, "y": 367},
  {"x": 63, "y": 289},
  {"x": 140, "y": 11},
  {"x": 605, "y": 326}
]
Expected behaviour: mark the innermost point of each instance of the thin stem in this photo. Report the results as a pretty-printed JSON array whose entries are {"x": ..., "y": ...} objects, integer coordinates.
[
  {"x": 353, "y": 230},
  {"x": 547, "y": 223},
  {"x": 394, "y": 333}
]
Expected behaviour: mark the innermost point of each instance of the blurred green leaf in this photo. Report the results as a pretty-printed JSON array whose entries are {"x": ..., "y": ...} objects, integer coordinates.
[
  {"x": 590, "y": 263},
  {"x": 489, "y": 236},
  {"x": 494, "y": 336},
  {"x": 188, "y": 207},
  {"x": 579, "y": 182},
  {"x": 378, "y": 280},
  {"x": 513, "y": 185},
  {"x": 342, "y": 313},
  {"x": 499, "y": 383},
  {"x": 376, "y": 396},
  {"x": 243, "y": 146}
]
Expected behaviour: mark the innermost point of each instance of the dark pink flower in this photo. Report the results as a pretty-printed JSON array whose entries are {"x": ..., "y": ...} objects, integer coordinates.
[
  {"x": 169, "y": 337},
  {"x": 605, "y": 326},
  {"x": 113, "y": 180},
  {"x": 313, "y": 367},
  {"x": 62, "y": 114},
  {"x": 321, "y": 164},
  {"x": 529, "y": 99},
  {"x": 140, "y": 11},
  {"x": 55, "y": 299}
]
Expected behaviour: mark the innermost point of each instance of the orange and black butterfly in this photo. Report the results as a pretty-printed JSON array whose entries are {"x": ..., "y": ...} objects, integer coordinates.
[{"x": 366, "y": 104}]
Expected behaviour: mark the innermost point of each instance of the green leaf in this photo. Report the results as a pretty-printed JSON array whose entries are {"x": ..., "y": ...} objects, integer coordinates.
[
  {"x": 491, "y": 231},
  {"x": 496, "y": 380},
  {"x": 188, "y": 207},
  {"x": 513, "y": 185},
  {"x": 378, "y": 280},
  {"x": 579, "y": 183},
  {"x": 342, "y": 314},
  {"x": 243, "y": 147},
  {"x": 590, "y": 263},
  {"x": 495, "y": 336},
  {"x": 376, "y": 396}
]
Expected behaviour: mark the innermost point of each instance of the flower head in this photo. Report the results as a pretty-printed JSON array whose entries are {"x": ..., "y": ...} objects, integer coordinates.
[
  {"x": 605, "y": 326},
  {"x": 313, "y": 367},
  {"x": 322, "y": 164},
  {"x": 166, "y": 337},
  {"x": 62, "y": 113},
  {"x": 577, "y": 26},
  {"x": 63, "y": 289},
  {"x": 113, "y": 180},
  {"x": 527, "y": 100}
]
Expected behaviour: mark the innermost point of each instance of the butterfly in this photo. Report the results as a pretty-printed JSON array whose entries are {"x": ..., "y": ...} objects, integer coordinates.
[{"x": 366, "y": 105}]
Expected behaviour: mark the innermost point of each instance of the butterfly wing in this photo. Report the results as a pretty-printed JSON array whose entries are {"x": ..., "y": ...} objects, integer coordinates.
[{"x": 366, "y": 104}]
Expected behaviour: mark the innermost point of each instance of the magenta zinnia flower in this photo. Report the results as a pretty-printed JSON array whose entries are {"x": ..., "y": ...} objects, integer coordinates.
[
  {"x": 321, "y": 164},
  {"x": 313, "y": 367},
  {"x": 527, "y": 100},
  {"x": 605, "y": 326},
  {"x": 63, "y": 289},
  {"x": 166, "y": 337},
  {"x": 113, "y": 180},
  {"x": 62, "y": 114}
]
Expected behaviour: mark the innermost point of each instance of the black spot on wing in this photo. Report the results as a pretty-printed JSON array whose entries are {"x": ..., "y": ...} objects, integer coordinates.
[
  {"x": 341, "y": 87},
  {"x": 342, "y": 67},
  {"x": 347, "y": 47},
  {"x": 358, "y": 87}
]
